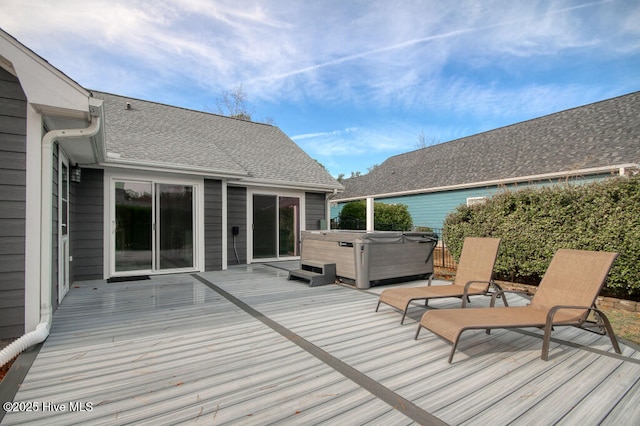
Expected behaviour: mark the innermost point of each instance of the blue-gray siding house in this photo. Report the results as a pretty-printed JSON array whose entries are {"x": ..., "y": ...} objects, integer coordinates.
[
  {"x": 590, "y": 142},
  {"x": 100, "y": 186}
]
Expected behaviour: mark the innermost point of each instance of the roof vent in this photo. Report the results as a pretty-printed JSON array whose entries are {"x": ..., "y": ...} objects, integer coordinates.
[{"x": 128, "y": 105}]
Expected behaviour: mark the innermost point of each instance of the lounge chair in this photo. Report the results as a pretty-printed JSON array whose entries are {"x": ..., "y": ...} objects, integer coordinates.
[
  {"x": 473, "y": 277},
  {"x": 566, "y": 295}
]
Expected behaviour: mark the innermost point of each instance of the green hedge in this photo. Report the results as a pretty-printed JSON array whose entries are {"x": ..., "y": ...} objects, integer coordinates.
[
  {"x": 387, "y": 217},
  {"x": 535, "y": 222}
]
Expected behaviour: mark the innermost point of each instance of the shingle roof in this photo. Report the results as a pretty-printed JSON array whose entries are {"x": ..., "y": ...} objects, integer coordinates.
[
  {"x": 181, "y": 138},
  {"x": 601, "y": 134}
]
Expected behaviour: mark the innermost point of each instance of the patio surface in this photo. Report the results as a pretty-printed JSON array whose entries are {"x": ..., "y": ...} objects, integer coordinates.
[{"x": 246, "y": 346}]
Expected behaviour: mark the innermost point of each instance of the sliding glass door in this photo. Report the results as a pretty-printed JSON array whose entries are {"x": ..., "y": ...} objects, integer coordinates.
[
  {"x": 288, "y": 226},
  {"x": 174, "y": 226},
  {"x": 134, "y": 222},
  {"x": 154, "y": 226},
  {"x": 265, "y": 226},
  {"x": 276, "y": 226}
]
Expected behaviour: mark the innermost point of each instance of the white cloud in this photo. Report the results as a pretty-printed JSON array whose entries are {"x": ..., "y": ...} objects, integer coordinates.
[
  {"x": 422, "y": 61},
  {"x": 321, "y": 50}
]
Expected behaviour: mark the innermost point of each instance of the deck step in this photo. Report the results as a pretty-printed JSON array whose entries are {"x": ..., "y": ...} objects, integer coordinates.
[{"x": 316, "y": 272}]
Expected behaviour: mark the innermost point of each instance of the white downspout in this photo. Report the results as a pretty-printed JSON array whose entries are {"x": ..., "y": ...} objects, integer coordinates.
[{"x": 42, "y": 329}]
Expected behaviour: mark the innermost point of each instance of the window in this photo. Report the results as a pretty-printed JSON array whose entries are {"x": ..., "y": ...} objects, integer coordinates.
[{"x": 474, "y": 201}]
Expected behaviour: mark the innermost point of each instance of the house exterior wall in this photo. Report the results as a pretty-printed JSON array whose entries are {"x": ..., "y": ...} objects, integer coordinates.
[
  {"x": 86, "y": 226},
  {"x": 237, "y": 216},
  {"x": 315, "y": 210},
  {"x": 13, "y": 124},
  {"x": 212, "y": 225}
]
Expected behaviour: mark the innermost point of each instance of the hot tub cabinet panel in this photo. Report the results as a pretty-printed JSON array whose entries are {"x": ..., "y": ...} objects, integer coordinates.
[
  {"x": 369, "y": 257},
  {"x": 330, "y": 251}
]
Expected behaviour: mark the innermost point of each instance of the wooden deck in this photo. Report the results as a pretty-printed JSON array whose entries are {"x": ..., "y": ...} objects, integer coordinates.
[{"x": 247, "y": 346}]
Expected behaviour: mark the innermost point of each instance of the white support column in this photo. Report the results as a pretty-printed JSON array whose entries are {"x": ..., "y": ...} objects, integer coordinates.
[
  {"x": 32, "y": 227},
  {"x": 225, "y": 226},
  {"x": 370, "y": 214}
]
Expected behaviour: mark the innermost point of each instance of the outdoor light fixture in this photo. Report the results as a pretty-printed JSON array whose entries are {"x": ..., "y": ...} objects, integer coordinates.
[{"x": 76, "y": 174}]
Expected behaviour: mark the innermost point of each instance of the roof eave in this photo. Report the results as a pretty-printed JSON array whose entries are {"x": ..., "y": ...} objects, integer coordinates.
[
  {"x": 274, "y": 183},
  {"x": 147, "y": 165},
  {"x": 497, "y": 182}
]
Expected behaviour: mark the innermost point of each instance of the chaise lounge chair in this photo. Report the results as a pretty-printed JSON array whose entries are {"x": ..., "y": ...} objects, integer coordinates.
[
  {"x": 473, "y": 277},
  {"x": 566, "y": 295}
]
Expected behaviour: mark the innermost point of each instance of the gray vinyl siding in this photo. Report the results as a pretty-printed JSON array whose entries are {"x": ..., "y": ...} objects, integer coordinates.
[
  {"x": 212, "y": 225},
  {"x": 315, "y": 210},
  {"x": 13, "y": 126},
  {"x": 237, "y": 216},
  {"x": 86, "y": 226}
]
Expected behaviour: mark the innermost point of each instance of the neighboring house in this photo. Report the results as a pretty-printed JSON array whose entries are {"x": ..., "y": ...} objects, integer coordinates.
[
  {"x": 99, "y": 186},
  {"x": 594, "y": 141}
]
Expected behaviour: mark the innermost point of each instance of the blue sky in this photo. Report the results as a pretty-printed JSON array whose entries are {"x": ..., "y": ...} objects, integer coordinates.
[{"x": 353, "y": 82}]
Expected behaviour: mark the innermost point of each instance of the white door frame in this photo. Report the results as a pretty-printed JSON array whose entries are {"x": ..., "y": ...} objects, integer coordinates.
[
  {"x": 113, "y": 175},
  {"x": 250, "y": 220},
  {"x": 63, "y": 228}
]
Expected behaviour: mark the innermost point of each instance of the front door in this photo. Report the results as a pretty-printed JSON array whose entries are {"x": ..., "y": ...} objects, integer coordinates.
[
  {"x": 153, "y": 227},
  {"x": 63, "y": 226}
]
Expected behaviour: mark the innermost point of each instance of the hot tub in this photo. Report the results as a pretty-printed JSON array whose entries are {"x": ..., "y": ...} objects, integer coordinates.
[{"x": 371, "y": 258}]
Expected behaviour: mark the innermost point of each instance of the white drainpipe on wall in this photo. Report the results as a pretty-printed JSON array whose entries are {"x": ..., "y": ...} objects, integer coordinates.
[{"x": 42, "y": 329}]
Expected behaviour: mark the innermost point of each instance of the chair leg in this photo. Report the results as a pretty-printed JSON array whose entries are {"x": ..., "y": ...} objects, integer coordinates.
[
  {"x": 453, "y": 349},
  {"x": 404, "y": 314},
  {"x": 546, "y": 342},
  {"x": 504, "y": 300},
  {"x": 418, "y": 332},
  {"x": 607, "y": 326},
  {"x": 378, "y": 305}
]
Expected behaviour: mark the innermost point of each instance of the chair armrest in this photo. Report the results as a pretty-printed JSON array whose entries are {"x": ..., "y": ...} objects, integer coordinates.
[
  {"x": 552, "y": 312},
  {"x": 503, "y": 293},
  {"x": 468, "y": 284},
  {"x": 465, "y": 292},
  {"x": 549, "y": 326}
]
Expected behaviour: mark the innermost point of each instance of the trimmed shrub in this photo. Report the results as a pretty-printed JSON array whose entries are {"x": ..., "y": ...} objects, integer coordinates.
[
  {"x": 392, "y": 217},
  {"x": 387, "y": 217},
  {"x": 535, "y": 222}
]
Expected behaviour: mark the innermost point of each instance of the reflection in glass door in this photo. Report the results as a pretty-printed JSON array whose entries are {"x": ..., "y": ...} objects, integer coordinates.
[
  {"x": 174, "y": 226},
  {"x": 133, "y": 220},
  {"x": 154, "y": 224},
  {"x": 276, "y": 226},
  {"x": 289, "y": 225},
  {"x": 264, "y": 226}
]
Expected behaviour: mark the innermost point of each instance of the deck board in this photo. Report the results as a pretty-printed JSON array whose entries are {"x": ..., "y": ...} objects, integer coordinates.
[{"x": 171, "y": 350}]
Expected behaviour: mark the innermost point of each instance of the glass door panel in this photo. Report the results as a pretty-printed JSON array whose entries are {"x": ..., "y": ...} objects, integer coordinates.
[
  {"x": 133, "y": 219},
  {"x": 265, "y": 223},
  {"x": 289, "y": 225},
  {"x": 174, "y": 226}
]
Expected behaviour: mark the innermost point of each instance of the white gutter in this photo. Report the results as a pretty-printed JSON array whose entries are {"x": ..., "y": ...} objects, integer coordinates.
[
  {"x": 273, "y": 183},
  {"x": 42, "y": 329},
  {"x": 113, "y": 160}
]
